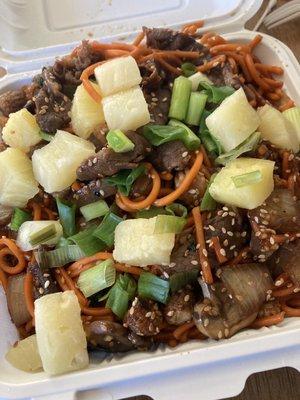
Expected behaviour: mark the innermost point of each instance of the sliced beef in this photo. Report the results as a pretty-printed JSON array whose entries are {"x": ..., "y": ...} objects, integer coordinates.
[
  {"x": 144, "y": 318},
  {"x": 43, "y": 283},
  {"x": 170, "y": 156},
  {"x": 194, "y": 195},
  {"x": 12, "y": 101},
  {"x": 98, "y": 137},
  {"x": 222, "y": 75},
  {"x": 179, "y": 308},
  {"x": 281, "y": 212},
  {"x": 269, "y": 308},
  {"x": 152, "y": 75},
  {"x": 107, "y": 163},
  {"x": 93, "y": 191},
  {"x": 158, "y": 104},
  {"x": 287, "y": 257},
  {"x": 230, "y": 227},
  {"x": 141, "y": 187},
  {"x": 263, "y": 244},
  {"x": 5, "y": 214}
]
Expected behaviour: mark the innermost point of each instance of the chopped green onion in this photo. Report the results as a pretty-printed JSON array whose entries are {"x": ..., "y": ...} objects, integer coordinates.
[
  {"x": 180, "y": 98},
  {"x": 188, "y": 69},
  {"x": 293, "y": 115},
  {"x": 208, "y": 203},
  {"x": 169, "y": 224},
  {"x": 247, "y": 179},
  {"x": 152, "y": 212},
  {"x": 152, "y": 287},
  {"x": 177, "y": 210},
  {"x": 18, "y": 218},
  {"x": 197, "y": 78},
  {"x": 46, "y": 136},
  {"x": 63, "y": 242},
  {"x": 128, "y": 284},
  {"x": 59, "y": 256},
  {"x": 125, "y": 179},
  {"x": 160, "y": 134},
  {"x": 66, "y": 212},
  {"x": 196, "y": 106},
  {"x": 181, "y": 279},
  {"x": 216, "y": 94},
  {"x": 190, "y": 139},
  {"x": 247, "y": 145},
  {"x": 43, "y": 235},
  {"x": 94, "y": 210},
  {"x": 118, "y": 141},
  {"x": 88, "y": 243},
  {"x": 97, "y": 278},
  {"x": 106, "y": 230},
  {"x": 117, "y": 301},
  {"x": 211, "y": 144}
]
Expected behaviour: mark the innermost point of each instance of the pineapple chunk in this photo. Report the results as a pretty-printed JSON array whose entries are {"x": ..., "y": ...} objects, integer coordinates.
[
  {"x": 25, "y": 355},
  {"x": 277, "y": 129},
  {"x": 17, "y": 183},
  {"x": 86, "y": 113},
  {"x": 126, "y": 110},
  {"x": 60, "y": 334},
  {"x": 136, "y": 243},
  {"x": 233, "y": 121},
  {"x": 117, "y": 75},
  {"x": 21, "y": 130},
  {"x": 249, "y": 196},
  {"x": 29, "y": 227},
  {"x": 55, "y": 164},
  {"x": 197, "y": 78}
]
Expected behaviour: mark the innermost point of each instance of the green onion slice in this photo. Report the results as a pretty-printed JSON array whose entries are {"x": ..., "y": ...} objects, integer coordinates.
[
  {"x": 117, "y": 301},
  {"x": 248, "y": 145},
  {"x": 46, "y": 136},
  {"x": 43, "y": 235},
  {"x": 247, "y": 179},
  {"x": 182, "y": 87},
  {"x": 94, "y": 210},
  {"x": 97, "y": 278},
  {"x": 152, "y": 212},
  {"x": 216, "y": 94},
  {"x": 190, "y": 139},
  {"x": 106, "y": 230},
  {"x": 18, "y": 218},
  {"x": 211, "y": 144},
  {"x": 66, "y": 212},
  {"x": 118, "y": 141},
  {"x": 188, "y": 69},
  {"x": 58, "y": 257},
  {"x": 180, "y": 279},
  {"x": 125, "y": 179},
  {"x": 152, "y": 287},
  {"x": 208, "y": 203},
  {"x": 88, "y": 243},
  {"x": 169, "y": 224},
  {"x": 177, "y": 209},
  {"x": 196, "y": 106}
]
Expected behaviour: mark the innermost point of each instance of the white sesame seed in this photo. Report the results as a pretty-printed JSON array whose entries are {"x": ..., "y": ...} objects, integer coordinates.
[
  {"x": 192, "y": 191},
  {"x": 223, "y": 230},
  {"x": 272, "y": 240},
  {"x": 226, "y": 332},
  {"x": 166, "y": 275},
  {"x": 131, "y": 311},
  {"x": 41, "y": 290},
  {"x": 184, "y": 154},
  {"x": 232, "y": 247},
  {"x": 172, "y": 265},
  {"x": 148, "y": 314},
  {"x": 170, "y": 313},
  {"x": 205, "y": 264},
  {"x": 225, "y": 214},
  {"x": 186, "y": 298},
  {"x": 225, "y": 243},
  {"x": 206, "y": 322},
  {"x": 256, "y": 220},
  {"x": 211, "y": 228},
  {"x": 232, "y": 214},
  {"x": 244, "y": 234},
  {"x": 204, "y": 251},
  {"x": 232, "y": 221},
  {"x": 223, "y": 252},
  {"x": 47, "y": 284},
  {"x": 220, "y": 334},
  {"x": 225, "y": 208},
  {"x": 229, "y": 233}
]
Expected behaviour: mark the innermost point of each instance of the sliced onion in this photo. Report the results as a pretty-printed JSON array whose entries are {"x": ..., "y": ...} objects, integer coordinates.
[
  {"x": 16, "y": 300},
  {"x": 248, "y": 284},
  {"x": 289, "y": 255}
]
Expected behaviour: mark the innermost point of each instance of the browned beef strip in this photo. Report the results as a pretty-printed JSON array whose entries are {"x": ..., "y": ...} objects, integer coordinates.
[
  {"x": 141, "y": 187},
  {"x": 144, "y": 318},
  {"x": 288, "y": 258},
  {"x": 158, "y": 101},
  {"x": 93, "y": 191},
  {"x": 98, "y": 137},
  {"x": 43, "y": 283},
  {"x": 107, "y": 163},
  {"x": 196, "y": 191},
  {"x": 12, "y": 101},
  {"x": 152, "y": 75},
  {"x": 222, "y": 75},
  {"x": 170, "y": 156},
  {"x": 179, "y": 308}
]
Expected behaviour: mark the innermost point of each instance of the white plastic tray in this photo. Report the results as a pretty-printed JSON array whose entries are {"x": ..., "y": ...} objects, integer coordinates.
[{"x": 208, "y": 370}]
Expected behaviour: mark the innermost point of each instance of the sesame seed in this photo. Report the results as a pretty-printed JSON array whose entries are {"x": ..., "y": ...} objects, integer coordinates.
[
  {"x": 265, "y": 222},
  {"x": 206, "y": 322},
  {"x": 296, "y": 290},
  {"x": 225, "y": 243},
  {"x": 172, "y": 265},
  {"x": 232, "y": 221},
  {"x": 232, "y": 247},
  {"x": 41, "y": 290},
  {"x": 263, "y": 211},
  {"x": 220, "y": 334},
  {"x": 205, "y": 264},
  {"x": 229, "y": 233},
  {"x": 148, "y": 314},
  {"x": 226, "y": 332},
  {"x": 186, "y": 298},
  {"x": 151, "y": 327},
  {"x": 232, "y": 214},
  {"x": 166, "y": 275},
  {"x": 47, "y": 284},
  {"x": 198, "y": 245},
  {"x": 157, "y": 329},
  {"x": 223, "y": 230},
  {"x": 192, "y": 191},
  {"x": 244, "y": 234},
  {"x": 204, "y": 251},
  {"x": 223, "y": 252},
  {"x": 256, "y": 220},
  {"x": 194, "y": 262},
  {"x": 211, "y": 228},
  {"x": 170, "y": 313},
  {"x": 272, "y": 240},
  {"x": 225, "y": 208},
  {"x": 184, "y": 154},
  {"x": 225, "y": 214},
  {"x": 131, "y": 311}
]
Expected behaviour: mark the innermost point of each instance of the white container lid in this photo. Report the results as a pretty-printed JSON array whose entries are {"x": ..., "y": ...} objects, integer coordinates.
[{"x": 31, "y": 24}]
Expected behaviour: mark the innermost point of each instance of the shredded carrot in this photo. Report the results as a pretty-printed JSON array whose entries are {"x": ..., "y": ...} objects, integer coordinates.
[
  {"x": 255, "y": 74},
  {"x": 284, "y": 291},
  {"x": 254, "y": 42},
  {"x": 190, "y": 222},
  {"x": 272, "y": 82},
  {"x": 241, "y": 61},
  {"x": 129, "y": 269},
  {"x": 149, "y": 200},
  {"x": 86, "y": 82},
  {"x": 206, "y": 36},
  {"x": 192, "y": 27},
  {"x": 211, "y": 64},
  {"x": 113, "y": 53},
  {"x": 182, "y": 329},
  {"x": 214, "y": 41},
  {"x": 111, "y": 46},
  {"x": 166, "y": 65},
  {"x": 264, "y": 68},
  {"x": 3, "y": 280},
  {"x": 220, "y": 48},
  {"x": 206, "y": 160},
  {"x": 62, "y": 273},
  {"x": 138, "y": 39},
  {"x": 28, "y": 294},
  {"x": 8, "y": 244},
  {"x": 77, "y": 267},
  {"x": 218, "y": 250},
  {"x": 96, "y": 311},
  {"x": 288, "y": 104},
  {"x": 203, "y": 256},
  {"x": 268, "y": 321},
  {"x": 290, "y": 311},
  {"x": 241, "y": 256},
  {"x": 184, "y": 185},
  {"x": 50, "y": 215},
  {"x": 37, "y": 210},
  {"x": 166, "y": 176},
  {"x": 122, "y": 206}
]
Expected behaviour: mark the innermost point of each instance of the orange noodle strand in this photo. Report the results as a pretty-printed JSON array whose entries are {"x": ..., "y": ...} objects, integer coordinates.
[{"x": 6, "y": 244}]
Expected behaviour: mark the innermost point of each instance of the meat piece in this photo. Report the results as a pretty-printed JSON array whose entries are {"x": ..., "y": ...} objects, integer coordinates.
[
  {"x": 158, "y": 104},
  {"x": 222, "y": 75},
  {"x": 107, "y": 163},
  {"x": 169, "y": 156},
  {"x": 109, "y": 336},
  {"x": 141, "y": 343},
  {"x": 229, "y": 226},
  {"x": 5, "y": 214},
  {"x": 141, "y": 187},
  {"x": 12, "y": 101},
  {"x": 152, "y": 75},
  {"x": 287, "y": 257},
  {"x": 166, "y": 39},
  {"x": 144, "y": 318},
  {"x": 194, "y": 195},
  {"x": 269, "y": 308},
  {"x": 7, "y": 232},
  {"x": 179, "y": 308},
  {"x": 93, "y": 191},
  {"x": 281, "y": 212},
  {"x": 219, "y": 315},
  {"x": 43, "y": 283},
  {"x": 98, "y": 137},
  {"x": 262, "y": 244}
]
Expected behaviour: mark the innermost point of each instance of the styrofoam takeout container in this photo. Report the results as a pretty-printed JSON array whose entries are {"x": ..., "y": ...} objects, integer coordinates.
[{"x": 205, "y": 370}]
